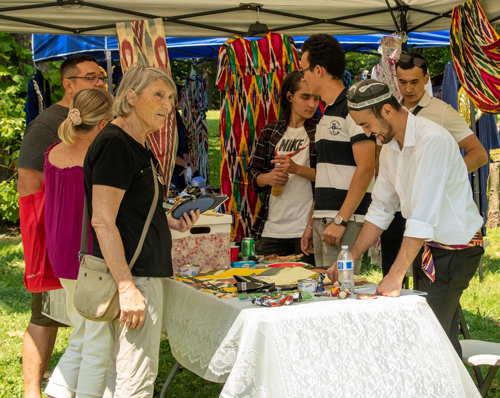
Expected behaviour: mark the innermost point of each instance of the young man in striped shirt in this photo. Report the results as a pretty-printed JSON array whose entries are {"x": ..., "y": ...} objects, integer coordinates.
[{"x": 345, "y": 156}]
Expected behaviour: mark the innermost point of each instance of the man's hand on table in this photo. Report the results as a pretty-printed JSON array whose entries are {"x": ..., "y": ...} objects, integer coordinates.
[
  {"x": 333, "y": 273},
  {"x": 390, "y": 286}
]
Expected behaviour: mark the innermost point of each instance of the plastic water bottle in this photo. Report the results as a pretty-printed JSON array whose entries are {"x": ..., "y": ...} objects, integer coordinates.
[{"x": 345, "y": 265}]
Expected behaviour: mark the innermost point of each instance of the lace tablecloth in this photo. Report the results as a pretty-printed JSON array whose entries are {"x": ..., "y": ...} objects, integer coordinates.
[{"x": 374, "y": 348}]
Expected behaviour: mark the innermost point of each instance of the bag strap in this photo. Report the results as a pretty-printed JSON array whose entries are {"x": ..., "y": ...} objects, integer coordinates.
[
  {"x": 417, "y": 109},
  {"x": 84, "y": 246}
]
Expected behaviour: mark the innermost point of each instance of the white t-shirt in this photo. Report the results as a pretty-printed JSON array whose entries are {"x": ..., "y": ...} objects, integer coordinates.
[{"x": 289, "y": 213}]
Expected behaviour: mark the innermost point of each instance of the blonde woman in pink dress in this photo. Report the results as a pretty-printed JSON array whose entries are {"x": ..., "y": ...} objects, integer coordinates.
[{"x": 81, "y": 371}]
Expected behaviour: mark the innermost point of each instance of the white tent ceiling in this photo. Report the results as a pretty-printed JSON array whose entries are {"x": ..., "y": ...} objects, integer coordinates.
[{"x": 209, "y": 18}]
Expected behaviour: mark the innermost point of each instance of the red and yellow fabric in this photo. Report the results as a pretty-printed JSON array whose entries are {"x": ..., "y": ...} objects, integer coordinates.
[
  {"x": 428, "y": 261},
  {"x": 249, "y": 74},
  {"x": 144, "y": 42},
  {"x": 475, "y": 47}
]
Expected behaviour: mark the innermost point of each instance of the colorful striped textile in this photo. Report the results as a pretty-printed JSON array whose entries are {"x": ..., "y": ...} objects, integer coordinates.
[
  {"x": 196, "y": 94},
  {"x": 144, "y": 42},
  {"x": 249, "y": 74},
  {"x": 190, "y": 125},
  {"x": 475, "y": 47},
  {"x": 428, "y": 261}
]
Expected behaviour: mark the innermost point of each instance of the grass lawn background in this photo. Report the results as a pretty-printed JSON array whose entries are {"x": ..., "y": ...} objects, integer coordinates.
[{"x": 480, "y": 303}]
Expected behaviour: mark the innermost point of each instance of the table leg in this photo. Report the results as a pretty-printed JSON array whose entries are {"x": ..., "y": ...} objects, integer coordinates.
[{"x": 169, "y": 379}]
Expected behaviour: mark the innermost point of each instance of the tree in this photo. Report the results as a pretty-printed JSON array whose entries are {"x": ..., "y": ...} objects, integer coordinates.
[
  {"x": 16, "y": 68},
  {"x": 493, "y": 201}
]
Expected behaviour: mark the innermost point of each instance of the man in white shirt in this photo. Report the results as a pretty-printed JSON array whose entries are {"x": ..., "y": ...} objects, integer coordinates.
[
  {"x": 412, "y": 74},
  {"x": 422, "y": 171}
]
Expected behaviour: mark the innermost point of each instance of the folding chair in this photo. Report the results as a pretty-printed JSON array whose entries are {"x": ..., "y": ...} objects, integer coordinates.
[{"x": 476, "y": 353}]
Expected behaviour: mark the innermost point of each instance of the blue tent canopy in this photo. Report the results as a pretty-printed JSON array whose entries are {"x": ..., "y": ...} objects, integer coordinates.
[{"x": 53, "y": 47}]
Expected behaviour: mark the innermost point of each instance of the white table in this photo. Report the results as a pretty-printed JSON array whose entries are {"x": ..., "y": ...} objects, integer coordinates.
[{"x": 387, "y": 347}]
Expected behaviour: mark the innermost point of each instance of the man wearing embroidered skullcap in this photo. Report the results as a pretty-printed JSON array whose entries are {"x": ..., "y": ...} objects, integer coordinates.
[
  {"x": 77, "y": 72},
  {"x": 345, "y": 157},
  {"x": 413, "y": 76},
  {"x": 422, "y": 172}
]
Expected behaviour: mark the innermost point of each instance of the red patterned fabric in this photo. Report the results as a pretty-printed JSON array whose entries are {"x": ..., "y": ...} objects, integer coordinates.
[
  {"x": 144, "y": 42},
  {"x": 250, "y": 73}
]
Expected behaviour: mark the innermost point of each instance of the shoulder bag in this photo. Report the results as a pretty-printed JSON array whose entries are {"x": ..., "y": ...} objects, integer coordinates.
[{"x": 96, "y": 294}]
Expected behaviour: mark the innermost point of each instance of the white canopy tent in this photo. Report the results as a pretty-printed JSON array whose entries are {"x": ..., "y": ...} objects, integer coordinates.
[{"x": 203, "y": 18}]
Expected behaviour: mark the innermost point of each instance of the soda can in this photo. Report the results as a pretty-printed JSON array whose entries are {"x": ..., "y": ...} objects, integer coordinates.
[{"x": 247, "y": 248}]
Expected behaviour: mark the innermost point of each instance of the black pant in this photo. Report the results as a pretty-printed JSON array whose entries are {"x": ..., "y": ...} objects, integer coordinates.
[
  {"x": 282, "y": 247},
  {"x": 454, "y": 269},
  {"x": 391, "y": 240}
]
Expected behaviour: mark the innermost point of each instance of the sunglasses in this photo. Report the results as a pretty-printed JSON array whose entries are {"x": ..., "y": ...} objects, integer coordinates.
[{"x": 410, "y": 59}]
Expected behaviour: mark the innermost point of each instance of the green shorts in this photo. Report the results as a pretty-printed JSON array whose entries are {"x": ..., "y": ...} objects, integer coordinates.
[{"x": 37, "y": 318}]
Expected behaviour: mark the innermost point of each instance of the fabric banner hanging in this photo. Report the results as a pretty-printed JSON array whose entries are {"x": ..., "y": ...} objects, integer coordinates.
[
  {"x": 196, "y": 93},
  {"x": 475, "y": 46},
  {"x": 144, "y": 42},
  {"x": 190, "y": 124},
  {"x": 249, "y": 74}
]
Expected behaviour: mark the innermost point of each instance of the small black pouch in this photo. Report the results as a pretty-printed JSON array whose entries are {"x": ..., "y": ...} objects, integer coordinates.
[{"x": 248, "y": 284}]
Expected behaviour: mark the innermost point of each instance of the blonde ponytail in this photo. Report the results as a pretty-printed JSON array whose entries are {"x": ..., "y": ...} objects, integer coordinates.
[{"x": 87, "y": 109}]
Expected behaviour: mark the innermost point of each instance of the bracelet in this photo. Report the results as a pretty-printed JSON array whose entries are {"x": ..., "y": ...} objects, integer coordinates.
[{"x": 309, "y": 226}]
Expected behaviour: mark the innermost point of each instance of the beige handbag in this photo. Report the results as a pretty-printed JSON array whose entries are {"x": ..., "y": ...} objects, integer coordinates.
[{"x": 96, "y": 294}]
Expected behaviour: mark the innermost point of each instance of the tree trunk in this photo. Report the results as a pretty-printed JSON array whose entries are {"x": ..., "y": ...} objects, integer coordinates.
[
  {"x": 208, "y": 70},
  {"x": 493, "y": 202}
]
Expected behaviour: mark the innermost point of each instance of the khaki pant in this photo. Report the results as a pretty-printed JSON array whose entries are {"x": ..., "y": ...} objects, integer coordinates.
[
  {"x": 324, "y": 254},
  {"x": 81, "y": 371},
  {"x": 135, "y": 353}
]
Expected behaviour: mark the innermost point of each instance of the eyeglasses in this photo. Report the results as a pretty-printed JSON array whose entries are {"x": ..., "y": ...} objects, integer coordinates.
[
  {"x": 311, "y": 68},
  {"x": 408, "y": 58},
  {"x": 90, "y": 79}
]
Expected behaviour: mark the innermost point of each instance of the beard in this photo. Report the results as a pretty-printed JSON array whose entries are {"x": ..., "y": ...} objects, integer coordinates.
[{"x": 386, "y": 136}]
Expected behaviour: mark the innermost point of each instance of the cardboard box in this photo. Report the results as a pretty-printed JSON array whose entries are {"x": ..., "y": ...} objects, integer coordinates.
[{"x": 207, "y": 244}]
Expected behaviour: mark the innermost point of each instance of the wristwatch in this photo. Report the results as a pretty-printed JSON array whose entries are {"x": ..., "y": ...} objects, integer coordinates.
[{"x": 338, "y": 220}]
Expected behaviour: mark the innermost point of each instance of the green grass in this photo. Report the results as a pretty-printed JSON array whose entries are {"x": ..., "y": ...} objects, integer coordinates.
[
  {"x": 480, "y": 304},
  {"x": 15, "y": 314}
]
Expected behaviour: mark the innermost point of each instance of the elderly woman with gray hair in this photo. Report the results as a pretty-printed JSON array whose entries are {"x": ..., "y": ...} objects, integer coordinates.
[{"x": 120, "y": 186}]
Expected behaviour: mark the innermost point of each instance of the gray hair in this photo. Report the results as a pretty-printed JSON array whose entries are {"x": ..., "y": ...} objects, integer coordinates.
[{"x": 137, "y": 78}]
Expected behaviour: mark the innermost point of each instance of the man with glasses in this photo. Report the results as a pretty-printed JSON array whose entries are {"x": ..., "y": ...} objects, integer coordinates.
[
  {"x": 345, "y": 157},
  {"x": 412, "y": 73},
  {"x": 77, "y": 73}
]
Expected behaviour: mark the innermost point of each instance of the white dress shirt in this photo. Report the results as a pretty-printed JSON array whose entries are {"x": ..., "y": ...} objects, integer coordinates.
[{"x": 428, "y": 178}]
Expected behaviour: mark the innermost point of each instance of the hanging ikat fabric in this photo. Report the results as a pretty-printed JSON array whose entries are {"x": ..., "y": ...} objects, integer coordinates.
[
  {"x": 249, "y": 74},
  {"x": 195, "y": 119},
  {"x": 475, "y": 46},
  {"x": 144, "y": 42}
]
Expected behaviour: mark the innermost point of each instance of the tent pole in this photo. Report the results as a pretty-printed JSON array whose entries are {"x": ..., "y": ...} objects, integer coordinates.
[
  {"x": 475, "y": 173},
  {"x": 110, "y": 71},
  {"x": 475, "y": 177}
]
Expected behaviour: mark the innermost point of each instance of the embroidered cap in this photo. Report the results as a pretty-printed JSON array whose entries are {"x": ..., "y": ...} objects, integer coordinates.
[{"x": 366, "y": 94}]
